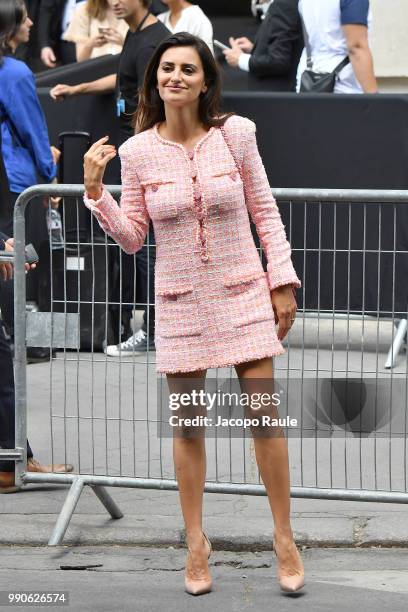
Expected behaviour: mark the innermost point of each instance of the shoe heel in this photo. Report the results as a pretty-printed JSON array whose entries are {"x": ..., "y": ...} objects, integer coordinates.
[
  {"x": 202, "y": 585},
  {"x": 209, "y": 544}
]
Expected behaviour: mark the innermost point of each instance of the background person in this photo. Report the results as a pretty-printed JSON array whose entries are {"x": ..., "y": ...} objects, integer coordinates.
[
  {"x": 7, "y": 396},
  {"x": 335, "y": 29},
  {"x": 274, "y": 55},
  {"x": 28, "y": 157},
  {"x": 144, "y": 35},
  {"x": 183, "y": 170},
  {"x": 183, "y": 16},
  {"x": 30, "y": 52},
  {"x": 85, "y": 30},
  {"x": 54, "y": 19}
]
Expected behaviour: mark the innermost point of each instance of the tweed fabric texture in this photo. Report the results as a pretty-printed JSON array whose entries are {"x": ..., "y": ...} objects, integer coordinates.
[{"x": 212, "y": 296}]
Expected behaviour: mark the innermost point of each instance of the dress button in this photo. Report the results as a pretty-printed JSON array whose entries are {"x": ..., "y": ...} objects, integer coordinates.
[
  {"x": 191, "y": 154},
  {"x": 154, "y": 187},
  {"x": 194, "y": 174}
]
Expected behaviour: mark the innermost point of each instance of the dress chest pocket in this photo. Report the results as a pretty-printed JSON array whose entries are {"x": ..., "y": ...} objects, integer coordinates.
[
  {"x": 161, "y": 198},
  {"x": 226, "y": 189}
]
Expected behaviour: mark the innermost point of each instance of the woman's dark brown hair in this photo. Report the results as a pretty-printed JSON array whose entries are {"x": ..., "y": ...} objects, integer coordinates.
[
  {"x": 150, "y": 109},
  {"x": 12, "y": 15}
]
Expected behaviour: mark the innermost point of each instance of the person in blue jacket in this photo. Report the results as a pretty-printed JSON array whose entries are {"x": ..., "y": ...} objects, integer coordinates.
[
  {"x": 27, "y": 154},
  {"x": 28, "y": 157}
]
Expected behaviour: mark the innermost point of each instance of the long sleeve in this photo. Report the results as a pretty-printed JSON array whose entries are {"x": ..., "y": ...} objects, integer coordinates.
[
  {"x": 46, "y": 14},
  {"x": 282, "y": 29},
  {"x": 129, "y": 223},
  {"x": 266, "y": 217},
  {"x": 28, "y": 121}
]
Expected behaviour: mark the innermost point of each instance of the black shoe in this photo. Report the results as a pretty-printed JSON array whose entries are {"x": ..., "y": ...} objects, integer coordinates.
[{"x": 39, "y": 354}]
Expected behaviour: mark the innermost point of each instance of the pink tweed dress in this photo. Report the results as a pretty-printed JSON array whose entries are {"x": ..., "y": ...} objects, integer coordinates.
[{"x": 212, "y": 296}]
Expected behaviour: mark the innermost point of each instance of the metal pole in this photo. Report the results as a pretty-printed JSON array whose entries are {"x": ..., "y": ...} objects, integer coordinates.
[
  {"x": 107, "y": 501},
  {"x": 226, "y": 487},
  {"x": 397, "y": 344},
  {"x": 20, "y": 377},
  {"x": 66, "y": 512}
]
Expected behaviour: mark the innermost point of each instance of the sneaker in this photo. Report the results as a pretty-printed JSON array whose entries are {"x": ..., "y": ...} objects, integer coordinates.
[{"x": 137, "y": 343}]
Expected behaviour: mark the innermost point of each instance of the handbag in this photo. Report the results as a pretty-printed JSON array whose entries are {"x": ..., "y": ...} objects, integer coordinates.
[{"x": 318, "y": 82}]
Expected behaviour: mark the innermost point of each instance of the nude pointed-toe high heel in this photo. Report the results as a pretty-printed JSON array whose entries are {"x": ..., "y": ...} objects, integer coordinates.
[
  {"x": 289, "y": 582},
  {"x": 198, "y": 584}
]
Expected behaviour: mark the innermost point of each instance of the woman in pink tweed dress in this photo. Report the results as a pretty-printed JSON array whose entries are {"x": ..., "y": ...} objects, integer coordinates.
[{"x": 197, "y": 174}]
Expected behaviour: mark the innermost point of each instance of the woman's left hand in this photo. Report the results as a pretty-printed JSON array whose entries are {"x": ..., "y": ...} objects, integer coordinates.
[{"x": 284, "y": 307}]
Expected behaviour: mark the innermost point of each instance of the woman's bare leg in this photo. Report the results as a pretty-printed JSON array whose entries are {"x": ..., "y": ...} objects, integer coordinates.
[
  {"x": 272, "y": 459},
  {"x": 190, "y": 467}
]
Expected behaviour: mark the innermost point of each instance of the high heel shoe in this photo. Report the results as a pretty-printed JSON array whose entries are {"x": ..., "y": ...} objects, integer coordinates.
[
  {"x": 293, "y": 581},
  {"x": 197, "y": 585}
]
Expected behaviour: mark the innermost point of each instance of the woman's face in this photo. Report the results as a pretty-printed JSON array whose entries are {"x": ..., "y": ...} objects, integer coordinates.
[
  {"x": 180, "y": 76},
  {"x": 23, "y": 33}
]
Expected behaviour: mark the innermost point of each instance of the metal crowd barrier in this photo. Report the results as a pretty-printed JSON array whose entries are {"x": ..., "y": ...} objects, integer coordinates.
[{"x": 99, "y": 412}]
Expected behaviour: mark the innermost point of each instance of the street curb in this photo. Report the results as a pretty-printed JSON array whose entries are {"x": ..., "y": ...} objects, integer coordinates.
[{"x": 237, "y": 535}]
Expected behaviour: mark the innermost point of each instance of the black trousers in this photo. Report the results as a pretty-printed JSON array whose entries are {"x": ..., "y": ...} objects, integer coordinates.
[
  {"x": 7, "y": 402},
  {"x": 144, "y": 262},
  {"x": 7, "y": 287}
]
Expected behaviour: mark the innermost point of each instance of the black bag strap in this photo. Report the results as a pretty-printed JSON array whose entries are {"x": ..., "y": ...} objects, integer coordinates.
[
  {"x": 309, "y": 60},
  {"x": 342, "y": 65}
]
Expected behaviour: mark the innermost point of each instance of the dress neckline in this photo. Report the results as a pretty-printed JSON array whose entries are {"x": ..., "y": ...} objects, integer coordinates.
[{"x": 178, "y": 144}]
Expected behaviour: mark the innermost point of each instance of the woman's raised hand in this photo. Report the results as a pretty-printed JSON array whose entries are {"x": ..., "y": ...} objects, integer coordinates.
[{"x": 95, "y": 162}]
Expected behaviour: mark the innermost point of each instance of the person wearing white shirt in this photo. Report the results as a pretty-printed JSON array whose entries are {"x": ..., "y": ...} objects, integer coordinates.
[
  {"x": 183, "y": 16},
  {"x": 271, "y": 60},
  {"x": 337, "y": 29}
]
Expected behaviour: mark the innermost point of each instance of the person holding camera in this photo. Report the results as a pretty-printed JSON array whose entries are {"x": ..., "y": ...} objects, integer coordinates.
[{"x": 95, "y": 30}]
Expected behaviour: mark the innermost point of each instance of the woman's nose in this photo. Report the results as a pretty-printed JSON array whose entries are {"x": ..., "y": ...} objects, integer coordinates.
[{"x": 176, "y": 76}]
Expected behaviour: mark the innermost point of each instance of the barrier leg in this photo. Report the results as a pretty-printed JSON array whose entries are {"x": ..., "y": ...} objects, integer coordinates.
[
  {"x": 397, "y": 344},
  {"x": 66, "y": 512},
  {"x": 107, "y": 501}
]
